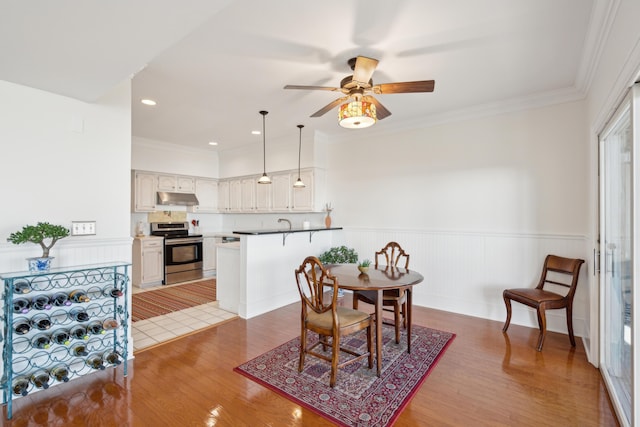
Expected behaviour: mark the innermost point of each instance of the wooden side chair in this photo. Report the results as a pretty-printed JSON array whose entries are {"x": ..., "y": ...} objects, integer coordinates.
[
  {"x": 556, "y": 271},
  {"x": 396, "y": 299},
  {"x": 328, "y": 320}
]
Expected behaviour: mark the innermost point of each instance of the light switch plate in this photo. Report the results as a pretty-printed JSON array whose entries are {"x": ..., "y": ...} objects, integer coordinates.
[{"x": 83, "y": 228}]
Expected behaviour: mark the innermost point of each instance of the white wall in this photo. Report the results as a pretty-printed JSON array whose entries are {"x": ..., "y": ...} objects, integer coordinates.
[
  {"x": 159, "y": 156},
  {"x": 477, "y": 204},
  {"x": 521, "y": 172},
  {"x": 65, "y": 160}
]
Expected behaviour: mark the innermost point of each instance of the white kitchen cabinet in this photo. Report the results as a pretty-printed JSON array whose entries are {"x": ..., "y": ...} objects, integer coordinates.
[
  {"x": 207, "y": 194},
  {"x": 176, "y": 183},
  {"x": 167, "y": 183},
  {"x": 248, "y": 194},
  {"x": 209, "y": 253},
  {"x": 235, "y": 195},
  {"x": 148, "y": 261},
  {"x": 223, "y": 196},
  {"x": 304, "y": 198},
  {"x": 281, "y": 200},
  {"x": 263, "y": 197},
  {"x": 185, "y": 184},
  {"x": 145, "y": 187}
]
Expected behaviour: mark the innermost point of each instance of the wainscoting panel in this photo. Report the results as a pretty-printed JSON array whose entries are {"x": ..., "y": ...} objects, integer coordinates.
[
  {"x": 466, "y": 272},
  {"x": 67, "y": 252}
]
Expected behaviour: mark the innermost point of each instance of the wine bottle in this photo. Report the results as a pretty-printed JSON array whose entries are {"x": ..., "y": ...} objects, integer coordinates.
[
  {"x": 21, "y": 326},
  {"x": 41, "y": 341},
  {"x": 96, "y": 328},
  {"x": 21, "y": 287},
  {"x": 95, "y": 361},
  {"x": 61, "y": 336},
  {"x": 21, "y": 305},
  {"x": 111, "y": 357},
  {"x": 113, "y": 292},
  {"x": 41, "y": 321},
  {"x": 60, "y": 299},
  {"x": 79, "y": 295},
  {"x": 79, "y": 332},
  {"x": 110, "y": 324},
  {"x": 20, "y": 386},
  {"x": 60, "y": 373},
  {"x": 79, "y": 349},
  {"x": 79, "y": 315},
  {"x": 40, "y": 379},
  {"x": 40, "y": 302}
]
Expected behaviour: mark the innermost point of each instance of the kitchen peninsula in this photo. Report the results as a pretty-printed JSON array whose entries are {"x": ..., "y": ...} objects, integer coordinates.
[{"x": 256, "y": 274}]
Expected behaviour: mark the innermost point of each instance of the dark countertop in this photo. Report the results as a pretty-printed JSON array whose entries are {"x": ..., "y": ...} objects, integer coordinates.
[{"x": 281, "y": 231}]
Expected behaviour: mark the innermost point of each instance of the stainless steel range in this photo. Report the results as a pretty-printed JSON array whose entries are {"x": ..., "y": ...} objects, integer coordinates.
[{"x": 182, "y": 251}]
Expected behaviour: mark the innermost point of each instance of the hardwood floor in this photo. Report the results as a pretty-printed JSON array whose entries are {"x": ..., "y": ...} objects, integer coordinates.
[{"x": 485, "y": 378}]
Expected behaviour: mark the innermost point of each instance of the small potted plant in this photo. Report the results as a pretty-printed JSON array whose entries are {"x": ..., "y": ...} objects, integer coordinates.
[
  {"x": 44, "y": 234},
  {"x": 363, "y": 265}
]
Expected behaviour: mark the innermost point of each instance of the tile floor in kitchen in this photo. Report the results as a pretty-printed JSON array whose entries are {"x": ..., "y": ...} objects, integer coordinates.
[{"x": 155, "y": 330}]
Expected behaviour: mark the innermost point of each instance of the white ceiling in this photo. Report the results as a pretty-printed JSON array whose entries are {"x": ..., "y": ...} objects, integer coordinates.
[{"x": 213, "y": 64}]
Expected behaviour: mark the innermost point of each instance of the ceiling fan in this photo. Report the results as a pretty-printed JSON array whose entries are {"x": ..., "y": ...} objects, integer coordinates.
[{"x": 358, "y": 87}]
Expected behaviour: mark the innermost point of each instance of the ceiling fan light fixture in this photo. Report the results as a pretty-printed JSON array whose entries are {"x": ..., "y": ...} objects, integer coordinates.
[
  {"x": 264, "y": 179},
  {"x": 357, "y": 115}
]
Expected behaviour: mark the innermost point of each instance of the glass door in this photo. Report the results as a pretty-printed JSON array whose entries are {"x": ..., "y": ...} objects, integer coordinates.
[{"x": 617, "y": 258}]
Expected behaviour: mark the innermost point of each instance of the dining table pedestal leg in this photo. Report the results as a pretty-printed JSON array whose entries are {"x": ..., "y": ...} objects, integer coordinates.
[{"x": 408, "y": 314}]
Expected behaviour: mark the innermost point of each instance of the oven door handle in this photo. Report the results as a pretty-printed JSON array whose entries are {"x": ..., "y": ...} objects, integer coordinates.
[{"x": 171, "y": 242}]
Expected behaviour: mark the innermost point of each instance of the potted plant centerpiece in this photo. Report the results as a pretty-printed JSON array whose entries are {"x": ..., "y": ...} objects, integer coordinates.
[
  {"x": 339, "y": 255},
  {"x": 44, "y": 234}
]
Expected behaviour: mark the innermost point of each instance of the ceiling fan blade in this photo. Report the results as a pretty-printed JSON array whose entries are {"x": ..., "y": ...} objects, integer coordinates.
[
  {"x": 312, "y": 87},
  {"x": 381, "y": 111},
  {"x": 329, "y": 106},
  {"x": 364, "y": 68},
  {"x": 405, "y": 87}
]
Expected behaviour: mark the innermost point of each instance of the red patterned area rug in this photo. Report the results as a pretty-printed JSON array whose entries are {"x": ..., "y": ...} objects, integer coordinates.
[
  {"x": 171, "y": 298},
  {"x": 359, "y": 397}
]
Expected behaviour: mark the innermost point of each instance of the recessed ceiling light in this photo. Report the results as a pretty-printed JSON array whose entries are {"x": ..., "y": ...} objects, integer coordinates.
[
  {"x": 255, "y": 132},
  {"x": 148, "y": 102},
  {"x": 213, "y": 143}
]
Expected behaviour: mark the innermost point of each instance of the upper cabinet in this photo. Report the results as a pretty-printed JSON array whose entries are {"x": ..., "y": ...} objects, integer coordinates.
[
  {"x": 223, "y": 196},
  {"x": 304, "y": 199},
  {"x": 207, "y": 194},
  {"x": 176, "y": 183},
  {"x": 147, "y": 184},
  {"x": 281, "y": 192},
  {"x": 144, "y": 192},
  {"x": 231, "y": 195}
]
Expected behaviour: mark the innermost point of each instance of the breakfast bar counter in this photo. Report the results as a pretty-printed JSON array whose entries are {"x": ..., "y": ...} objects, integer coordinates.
[{"x": 262, "y": 267}]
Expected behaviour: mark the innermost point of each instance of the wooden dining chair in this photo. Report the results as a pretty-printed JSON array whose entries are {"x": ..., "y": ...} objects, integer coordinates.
[
  {"x": 330, "y": 321},
  {"x": 394, "y": 298},
  {"x": 557, "y": 271}
]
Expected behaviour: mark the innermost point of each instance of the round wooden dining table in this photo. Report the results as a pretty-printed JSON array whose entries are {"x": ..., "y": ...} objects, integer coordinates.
[{"x": 378, "y": 279}]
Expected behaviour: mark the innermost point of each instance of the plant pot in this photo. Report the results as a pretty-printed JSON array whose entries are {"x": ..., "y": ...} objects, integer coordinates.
[
  {"x": 39, "y": 264},
  {"x": 363, "y": 269}
]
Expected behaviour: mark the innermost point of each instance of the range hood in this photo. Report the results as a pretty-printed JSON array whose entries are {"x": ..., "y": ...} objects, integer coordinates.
[{"x": 180, "y": 199}]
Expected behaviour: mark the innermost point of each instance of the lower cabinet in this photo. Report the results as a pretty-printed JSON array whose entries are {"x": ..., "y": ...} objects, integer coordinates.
[
  {"x": 209, "y": 254},
  {"x": 62, "y": 325},
  {"x": 148, "y": 261}
]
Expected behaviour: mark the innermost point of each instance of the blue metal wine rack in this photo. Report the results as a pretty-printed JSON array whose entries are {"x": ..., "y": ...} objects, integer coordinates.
[{"x": 21, "y": 359}]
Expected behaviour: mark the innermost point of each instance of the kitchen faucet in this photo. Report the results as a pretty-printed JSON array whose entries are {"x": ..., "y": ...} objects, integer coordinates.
[{"x": 285, "y": 220}]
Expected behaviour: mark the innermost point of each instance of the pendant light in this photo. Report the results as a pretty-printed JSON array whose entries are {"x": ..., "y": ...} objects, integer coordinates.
[
  {"x": 299, "y": 183},
  {"x": 264, "y": 179}
]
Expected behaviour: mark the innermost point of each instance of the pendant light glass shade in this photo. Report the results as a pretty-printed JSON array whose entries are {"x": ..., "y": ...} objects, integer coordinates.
[
  {"x": 357, "y": 115},
  {"x": 299, "y": 183},
  {"x": 264, "y": 179}
]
